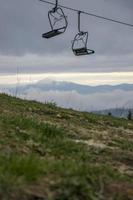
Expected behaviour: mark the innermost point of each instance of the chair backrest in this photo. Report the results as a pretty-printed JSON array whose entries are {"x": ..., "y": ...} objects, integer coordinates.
[
  {"x": 79, "y": 44},
  {"x": 80, "y": 41},
  {"x": 57, "y": 19}
]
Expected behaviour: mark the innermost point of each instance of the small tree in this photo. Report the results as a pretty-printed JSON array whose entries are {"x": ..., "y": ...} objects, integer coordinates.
[
  {"x": 129, "y": 116},
  {"x": 109, "y": 114}
]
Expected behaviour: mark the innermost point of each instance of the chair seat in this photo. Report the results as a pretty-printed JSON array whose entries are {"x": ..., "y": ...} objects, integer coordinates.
[
  {"x": 52, "y": 33},
  {"x": 82, "y": 51}
]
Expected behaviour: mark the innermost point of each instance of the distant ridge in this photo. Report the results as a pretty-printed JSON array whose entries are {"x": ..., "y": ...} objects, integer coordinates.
[
  {"x": 73, "y": 95},
  {"x": 49, "y": 84}
]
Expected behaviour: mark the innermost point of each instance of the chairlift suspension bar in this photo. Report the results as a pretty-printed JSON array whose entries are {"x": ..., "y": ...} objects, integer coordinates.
[
  {"x": 56, "y": 5},
  {"x": 79, "y": 12},
  {"x": 90, "y": 14}
]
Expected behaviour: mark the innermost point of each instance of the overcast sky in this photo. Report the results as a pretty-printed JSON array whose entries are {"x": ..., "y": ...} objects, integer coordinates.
[{"x": 22, "y": 23}]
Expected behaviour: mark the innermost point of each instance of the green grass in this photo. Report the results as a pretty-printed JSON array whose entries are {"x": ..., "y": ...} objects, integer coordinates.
[
  {"x": 40, "y": 157},
  {"x": 124, "y": 144},
  {"x": 78, "y": 181}
]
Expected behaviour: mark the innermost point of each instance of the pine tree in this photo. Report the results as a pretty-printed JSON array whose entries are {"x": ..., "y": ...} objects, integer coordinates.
[
  {"x": 109, "y": 114},
  {"x": 129, "y": 116}
]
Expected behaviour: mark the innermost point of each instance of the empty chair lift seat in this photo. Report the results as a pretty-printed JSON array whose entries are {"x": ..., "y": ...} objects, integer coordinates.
[
  {"x": 58, "y": 22},
  {"x": 53, "y": 33},
  {"x": 83, "y": 51}
]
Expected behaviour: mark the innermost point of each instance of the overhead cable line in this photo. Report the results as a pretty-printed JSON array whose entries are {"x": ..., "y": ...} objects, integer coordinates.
[{"x": 90, "y": 14}]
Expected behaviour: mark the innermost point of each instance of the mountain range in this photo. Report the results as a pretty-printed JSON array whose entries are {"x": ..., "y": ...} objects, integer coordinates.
[{"x": 48, "y": 84}]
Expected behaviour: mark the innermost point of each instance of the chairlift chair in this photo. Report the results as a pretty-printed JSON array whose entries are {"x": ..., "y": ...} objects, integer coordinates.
[
  {"x": 55, "y": 16},
  {"x": 79, "y": 44}
]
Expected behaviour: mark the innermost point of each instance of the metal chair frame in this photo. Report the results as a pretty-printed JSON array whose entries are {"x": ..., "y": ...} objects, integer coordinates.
[
  {"x": 83, "y": 36},
  {"x": 57, "y": 31}
]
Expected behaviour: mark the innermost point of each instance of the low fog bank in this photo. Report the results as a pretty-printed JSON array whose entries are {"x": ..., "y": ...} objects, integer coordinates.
[
  {"x": 92, "y": 102},
  {"x": 75, "y": 96}
]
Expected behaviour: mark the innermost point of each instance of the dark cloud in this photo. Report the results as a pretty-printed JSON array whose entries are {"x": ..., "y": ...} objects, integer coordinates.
[{"x": 65, "y": 63}]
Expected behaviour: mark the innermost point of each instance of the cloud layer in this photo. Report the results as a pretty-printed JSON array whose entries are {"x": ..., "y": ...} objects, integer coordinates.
[
  {"x": 92, "y": 102},
  {"x": 23, "y": 22}
]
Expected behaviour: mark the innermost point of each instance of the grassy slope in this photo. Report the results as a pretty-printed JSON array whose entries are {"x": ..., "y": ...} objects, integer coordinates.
[{"x": 57, "y": 154}]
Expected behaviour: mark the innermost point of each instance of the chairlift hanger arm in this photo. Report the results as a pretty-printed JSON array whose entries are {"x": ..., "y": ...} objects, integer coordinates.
[
  {"x": 56, "y": 3},
  {"x": 56, "y": 6},
  {"x": 90, "y": 14},
  {"x": 79, "y": 12}
]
